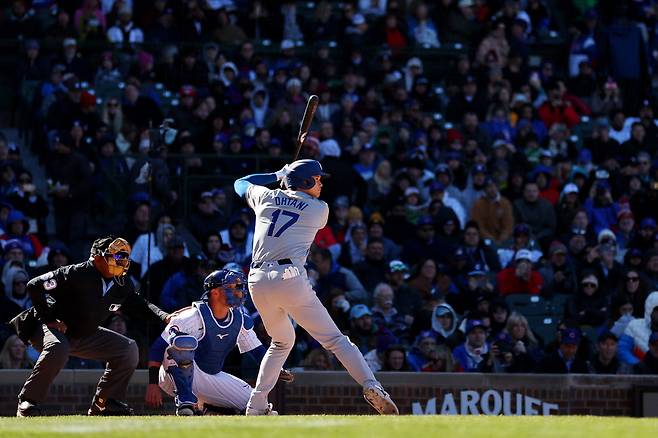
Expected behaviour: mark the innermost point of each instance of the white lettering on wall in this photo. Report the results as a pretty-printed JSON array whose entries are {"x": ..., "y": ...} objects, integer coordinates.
[{"x": 490, "y": 402}]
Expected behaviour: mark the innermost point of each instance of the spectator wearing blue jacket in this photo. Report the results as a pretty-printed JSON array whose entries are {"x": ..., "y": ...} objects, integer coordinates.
[
  {"x": 601, "y": 209},
  {"x": 472, "y": 355}
]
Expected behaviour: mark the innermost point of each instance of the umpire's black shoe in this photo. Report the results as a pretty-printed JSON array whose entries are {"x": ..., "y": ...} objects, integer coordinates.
[
  {"x": 27, "y": 409},
  {"x": 109, "y": 407}
]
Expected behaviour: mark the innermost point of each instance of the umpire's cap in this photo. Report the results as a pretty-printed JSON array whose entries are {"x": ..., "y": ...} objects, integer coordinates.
[{"x": 301, "y": 172}]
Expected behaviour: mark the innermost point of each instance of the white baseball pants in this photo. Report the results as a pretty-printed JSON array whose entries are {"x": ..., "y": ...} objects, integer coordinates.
[
  {"x": 277, "y": 300},
  {"x": 221, "y": 389}
]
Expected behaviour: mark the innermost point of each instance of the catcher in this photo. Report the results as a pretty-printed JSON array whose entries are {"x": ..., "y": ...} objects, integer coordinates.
[{"x": 186, "y": 361}]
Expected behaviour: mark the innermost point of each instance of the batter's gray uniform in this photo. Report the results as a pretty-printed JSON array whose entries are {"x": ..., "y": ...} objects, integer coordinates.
[{"x": 286, "y": 224}]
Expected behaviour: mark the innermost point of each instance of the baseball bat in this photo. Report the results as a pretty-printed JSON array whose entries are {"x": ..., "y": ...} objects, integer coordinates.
[{"x": 309, "y": 112}]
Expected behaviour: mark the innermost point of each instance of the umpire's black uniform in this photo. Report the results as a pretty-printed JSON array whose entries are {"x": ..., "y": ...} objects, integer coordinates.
[{"x": 81, "y": 298}]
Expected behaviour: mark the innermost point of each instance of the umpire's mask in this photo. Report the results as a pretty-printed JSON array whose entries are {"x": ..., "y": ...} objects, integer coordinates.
[{"x": 117, "y": 257}]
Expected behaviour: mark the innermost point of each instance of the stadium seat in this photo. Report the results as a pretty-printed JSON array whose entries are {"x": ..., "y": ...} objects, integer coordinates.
[
  {"x": 557, "y": 304},
  {"x": 544, "y": 327},
  {"x": 528, "y": 305}
]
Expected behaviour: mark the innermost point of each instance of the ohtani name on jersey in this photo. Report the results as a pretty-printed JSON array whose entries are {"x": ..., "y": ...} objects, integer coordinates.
[{"x": 290, "y": 202}]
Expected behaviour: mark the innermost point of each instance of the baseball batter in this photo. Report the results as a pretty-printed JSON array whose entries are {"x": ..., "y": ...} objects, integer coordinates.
[
  {"x": 186, "y": 361},
  {"x": 286, "y": 224}
]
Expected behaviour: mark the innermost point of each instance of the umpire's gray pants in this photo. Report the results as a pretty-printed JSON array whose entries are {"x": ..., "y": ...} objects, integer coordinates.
[
  {"x": 275, "y": 300},
  {"x": 119, "y": 352}
]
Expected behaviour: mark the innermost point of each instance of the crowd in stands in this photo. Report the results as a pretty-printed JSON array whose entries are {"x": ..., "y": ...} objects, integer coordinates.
[{"x": 494, "y": 187}]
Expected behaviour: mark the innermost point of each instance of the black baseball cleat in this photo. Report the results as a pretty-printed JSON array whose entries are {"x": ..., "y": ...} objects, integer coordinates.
[
  {"x": 109, "y": 407},
  {"x": 185, "y": 410},
  {"x": 27, "y": 409}
]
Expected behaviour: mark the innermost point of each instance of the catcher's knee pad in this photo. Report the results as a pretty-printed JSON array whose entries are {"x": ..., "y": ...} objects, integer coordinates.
[{"x": 181, "y": 351}]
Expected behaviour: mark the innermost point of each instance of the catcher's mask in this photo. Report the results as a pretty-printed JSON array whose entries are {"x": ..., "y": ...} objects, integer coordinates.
[
  {"x": 233, "y": 284},
  {"x": 116, "y": 257}
]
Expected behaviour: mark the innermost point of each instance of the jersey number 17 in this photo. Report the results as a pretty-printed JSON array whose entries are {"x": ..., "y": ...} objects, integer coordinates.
[{"x": 275, "y": 217}]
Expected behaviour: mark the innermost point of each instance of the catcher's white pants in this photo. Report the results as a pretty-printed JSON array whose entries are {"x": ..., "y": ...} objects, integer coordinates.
[
  {"x": 277, "y": 300},
  {"x": 221, "y": 389}
]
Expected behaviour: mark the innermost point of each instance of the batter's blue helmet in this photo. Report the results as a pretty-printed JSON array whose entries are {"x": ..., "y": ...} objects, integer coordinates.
[
  {"x": 233, "y": 284},
  {"x": 301, "y": 172}
]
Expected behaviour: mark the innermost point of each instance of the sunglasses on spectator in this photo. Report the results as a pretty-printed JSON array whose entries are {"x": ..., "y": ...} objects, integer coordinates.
[
  {"x": 589, "y": 284},
  {"x": 633, "y": 279}
]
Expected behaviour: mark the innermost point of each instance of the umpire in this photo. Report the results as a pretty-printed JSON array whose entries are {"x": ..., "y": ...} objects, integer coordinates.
[{"x": 70, "y": 304}]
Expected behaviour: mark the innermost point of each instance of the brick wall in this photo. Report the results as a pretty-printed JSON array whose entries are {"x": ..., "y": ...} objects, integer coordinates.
[{"x": 336, "y": 393}]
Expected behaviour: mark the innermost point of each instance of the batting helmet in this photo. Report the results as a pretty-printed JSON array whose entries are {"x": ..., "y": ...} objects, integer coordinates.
[
  {"x": 301, "y": 172},
  {"x": 232, "y": 284}
]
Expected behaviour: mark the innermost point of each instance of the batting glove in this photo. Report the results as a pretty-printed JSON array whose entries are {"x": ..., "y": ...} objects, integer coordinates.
[
  {"x": 286, "y": 376},
  {"x": 280, "y": 174}
]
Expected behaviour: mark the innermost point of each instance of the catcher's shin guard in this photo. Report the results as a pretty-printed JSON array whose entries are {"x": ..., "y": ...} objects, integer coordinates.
[{"x": 181, "y": 351}]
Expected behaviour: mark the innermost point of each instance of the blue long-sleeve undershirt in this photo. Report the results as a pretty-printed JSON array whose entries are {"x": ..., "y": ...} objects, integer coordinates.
[
  {"x": 156, "y": 352},
  {"x": 241, "y": 185}
]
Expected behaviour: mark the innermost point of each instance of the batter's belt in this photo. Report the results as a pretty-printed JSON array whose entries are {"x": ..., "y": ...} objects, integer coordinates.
[{"x": 280, "y": 262}]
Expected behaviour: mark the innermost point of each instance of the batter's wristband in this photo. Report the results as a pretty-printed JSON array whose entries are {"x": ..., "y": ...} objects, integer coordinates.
[{"x": 154, "y": 375}]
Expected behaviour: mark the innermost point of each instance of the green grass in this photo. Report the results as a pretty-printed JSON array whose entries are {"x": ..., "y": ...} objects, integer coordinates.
[{"x": 331, "y": 426}]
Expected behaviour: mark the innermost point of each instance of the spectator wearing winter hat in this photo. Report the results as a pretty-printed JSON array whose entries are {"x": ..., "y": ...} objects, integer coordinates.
[
  {"x": 537, "y": 212},
  {"x": 559, "y": 273},
  {"x": 606, "y": 267},
  {"x": 590, "y": 305},
  {"x": 493, "y": 213},
  {"x": 445, "y": 326},
  {"x": 14, "y": 281},
  {"x": 18, "y": 228},
  {"x": 520, "y": 278},
  {"x": 565, "y": 359},
  {"x": 471, "y": 356}
]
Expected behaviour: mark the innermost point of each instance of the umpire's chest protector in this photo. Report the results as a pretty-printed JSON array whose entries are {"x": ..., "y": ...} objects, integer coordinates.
[{"x": 218, "y": 339}]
